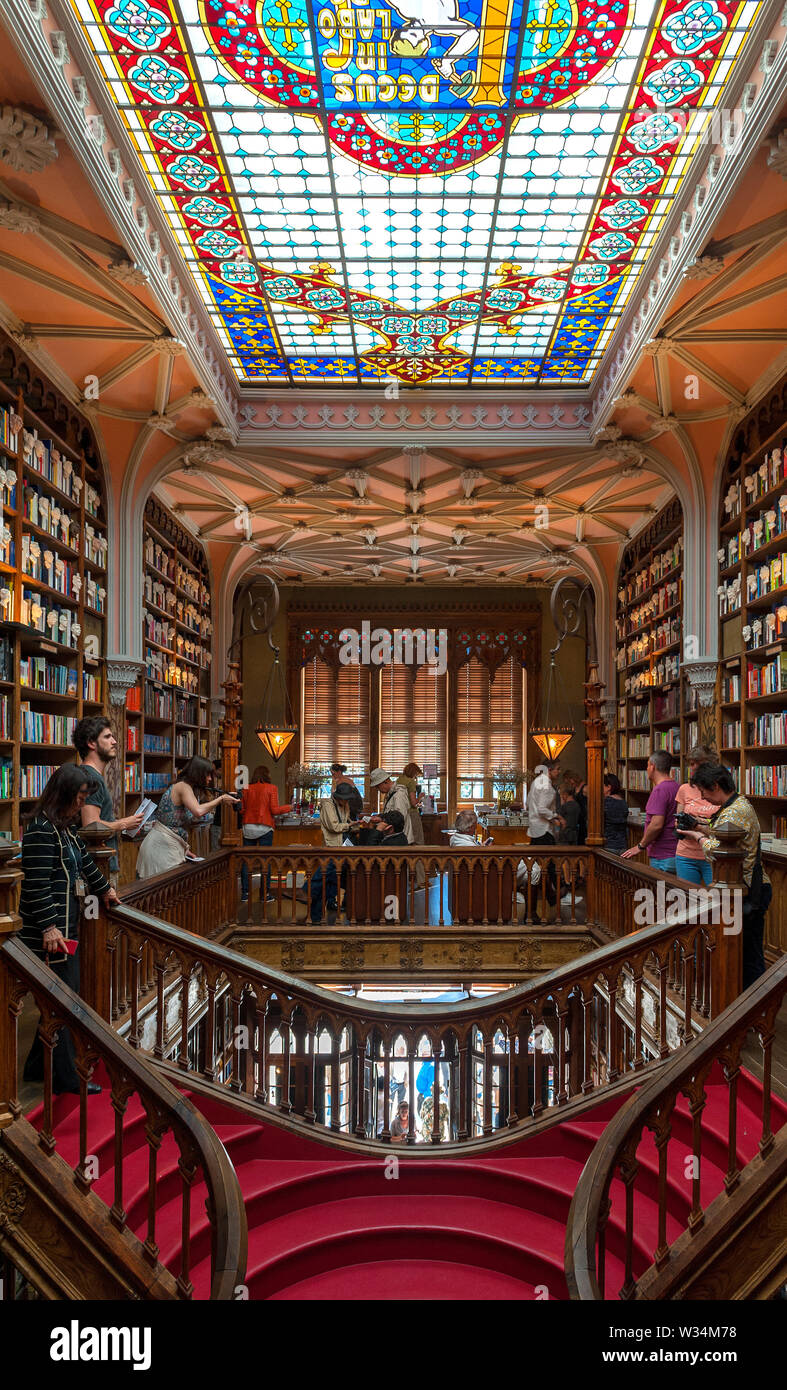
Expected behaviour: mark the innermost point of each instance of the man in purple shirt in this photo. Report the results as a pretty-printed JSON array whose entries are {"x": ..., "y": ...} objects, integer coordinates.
[{"x": 659, "y": 839}]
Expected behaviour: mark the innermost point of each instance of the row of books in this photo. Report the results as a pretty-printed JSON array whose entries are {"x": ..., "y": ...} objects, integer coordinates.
[
  {"x": 6, "y": 659},
  {"x": 40, "y": 674},
  {"x": 8, "y": 482},
  {"x": 6, "y": 779},
  {"x": 45, "y": 458},
  {"x": 768, "y": 577},
  {"x": 5, "y": 723},
  {"x": 40, "y": 613},
  {"x": 767, "y": 729},
  {"x": 666, "y": 596},
  {"x": 8, "y": 436},
  {"x": 770, "y": 474},
  {"x": 186, "y": 710},
  {"x": 134, "y": 698},
  {"x": 7, "y": 546},
  {"x": 667, "y": 706},
  {"x": 767, "y": 780},
  {"x": 731, "y": 733},
  {"x": 731, "y": 688},
  {"x": 158, "y": 703},
  {"x": 156, "y": 781},
  {"x": 730, "y": 553},
  {"x": 639, "y": 746},
  {"x": 639, "y": 715},
  {"x": 769, "y": 678},
  {"x": 33, "y": 777},
  {"x": 131, "y": 777},
  {"x": 192, "y": 585},
  {"x": 132, "y": 738},
  {"x": 660, "y": 566},
  {"x": 39, "y": 509},
  {"x": 730, "y": 596},
  {"x": 668, "y": 739},
  {"x": 765, "y": 528},
  {"x": 45, "y": 728},
  {"x": 184, "y": 745},
  {"x": 49, "y": 568},
  {"x": 766, "y": 628},
  {"x": 92, "y": 687},
  {"x": 157, "y": 743},
  {"x": 165, "y": 669}
]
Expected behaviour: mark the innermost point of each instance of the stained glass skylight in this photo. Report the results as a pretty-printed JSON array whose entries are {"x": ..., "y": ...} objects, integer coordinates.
[{"x": 432, "y": 192}]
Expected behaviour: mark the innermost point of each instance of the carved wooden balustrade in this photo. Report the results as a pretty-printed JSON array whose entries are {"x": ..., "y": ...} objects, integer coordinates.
[
  {"x": 59, "y": 1237},
  {"x": 311, "y": 1052},
  {"x": 733, "y": 1242}
]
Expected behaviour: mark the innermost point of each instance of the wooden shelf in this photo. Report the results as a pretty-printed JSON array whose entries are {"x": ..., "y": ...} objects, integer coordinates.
[{"x": 21, "y": 641}]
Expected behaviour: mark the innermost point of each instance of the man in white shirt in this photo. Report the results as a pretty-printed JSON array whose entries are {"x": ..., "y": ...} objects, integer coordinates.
[
  {"x": 335, "y": 823},
  {"x": 543, "y": 820}
]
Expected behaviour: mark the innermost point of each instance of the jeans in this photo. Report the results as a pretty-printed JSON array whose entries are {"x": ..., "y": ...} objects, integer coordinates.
[
  {"x": 266, "y": 839},
  {"x": 667, "y": 866},
  {"x": 331, "y": 889},
  {"x": 693, "y": 870}
]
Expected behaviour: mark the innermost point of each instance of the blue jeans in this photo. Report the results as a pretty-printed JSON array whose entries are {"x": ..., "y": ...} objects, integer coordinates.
[
  {"x": 266, "y": 839},
  {"x": 667, "y": 866},
  {"x": 331, "y": 889},
  {"x": 693, "y": 870}
]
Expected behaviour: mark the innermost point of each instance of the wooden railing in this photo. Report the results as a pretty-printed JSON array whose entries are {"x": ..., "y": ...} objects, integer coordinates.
[
  {"x": 326, "y": 1058},
  {"x": 731, "y": 1243},
  {"x": 91, "y": 1252},
  {"x": 401, "y": 886}
]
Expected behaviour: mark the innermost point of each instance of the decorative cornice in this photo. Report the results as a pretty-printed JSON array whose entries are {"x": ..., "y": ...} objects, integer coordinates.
[{"x": 438, "y": 417}]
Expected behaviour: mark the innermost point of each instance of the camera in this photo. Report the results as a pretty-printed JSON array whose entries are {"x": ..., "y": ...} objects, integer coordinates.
[{"x": 683, "y": 821}]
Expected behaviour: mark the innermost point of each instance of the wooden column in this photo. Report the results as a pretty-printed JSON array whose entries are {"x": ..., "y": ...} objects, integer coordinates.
[
  {"x": 727, "y": 963},
  {"x": 229, "y": 742},
  {"x": 10, "y": 923},
  {"x": 595, "y": 743},
  {"x": 121, "y": 675}
]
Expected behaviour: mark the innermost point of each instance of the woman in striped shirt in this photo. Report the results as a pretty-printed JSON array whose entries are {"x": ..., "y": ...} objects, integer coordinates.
[{"x": 60, "y": 875}]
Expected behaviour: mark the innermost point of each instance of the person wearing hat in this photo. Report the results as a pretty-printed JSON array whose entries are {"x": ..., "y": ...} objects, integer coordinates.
[
  {"x": 389, "y": 831},
  {"x": 397, "y": 798},
  {"x": 335, "y": 824}
]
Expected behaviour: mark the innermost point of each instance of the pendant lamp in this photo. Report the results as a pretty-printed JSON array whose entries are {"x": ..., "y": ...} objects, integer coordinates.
[
  {"x": 553, "y": 735},
  {"x": 276, "y": 733}
]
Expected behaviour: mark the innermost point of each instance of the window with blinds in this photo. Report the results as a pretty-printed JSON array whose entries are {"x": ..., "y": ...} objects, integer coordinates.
[
  {"x": 336, "y": 718},
  {"x": 490, "y": 725},
  {"x": 413, "y": 721}
]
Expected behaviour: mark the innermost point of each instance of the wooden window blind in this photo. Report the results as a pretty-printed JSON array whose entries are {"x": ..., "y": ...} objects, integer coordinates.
[
  {"x": 490, "y": 719},
  {"x": 336, "y": 715},
  {"x": 413, "y": 717}
]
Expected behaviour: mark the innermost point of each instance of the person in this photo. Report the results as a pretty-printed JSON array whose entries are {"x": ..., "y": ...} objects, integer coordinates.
[
  {"x": 59, "y": 875},
  {"x": 690, "y": 862},
  {"x": 581, "y": 798},
  {"x": 409, "y": 780},
  {"x": 400, "y": 1125},
  {"x": 616, "y": 815},
  {"x": 389, "y": 832},
  {"x": 543, "y": 821},
  {"x": 463, "y": 836},
  {"x": 716, "y": 785},
  {"x": 659, "y": 838},
  {"x": 259, "y": 805},
  {"x": 167, "y": 841},
  {"x": 396, "y": 799},
  {"x": 97, "y": 748},
  {"x": 339, "y": 774},
  {"x": 568, "y": 833},
  {"x": 335, "y": 824}
]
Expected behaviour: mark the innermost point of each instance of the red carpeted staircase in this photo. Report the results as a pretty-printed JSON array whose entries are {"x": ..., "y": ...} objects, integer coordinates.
[{"x": 325, "y": 1224}]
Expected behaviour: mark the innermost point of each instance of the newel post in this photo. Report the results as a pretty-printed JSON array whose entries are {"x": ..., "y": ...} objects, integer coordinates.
[
  {"x": 10, "y": 922},
  {"x": 727, "y": 966},
  {"x": 95, "y": 958},
  {"x": 229, "y": 741}
]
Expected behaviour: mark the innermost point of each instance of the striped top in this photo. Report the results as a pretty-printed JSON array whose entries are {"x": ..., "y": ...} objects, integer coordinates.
[{"x": 52, "y": 859}]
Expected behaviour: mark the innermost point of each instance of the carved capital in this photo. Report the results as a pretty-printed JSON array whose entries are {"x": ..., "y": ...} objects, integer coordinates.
[
  {"x": 168, "y": 347},
  {"x": 777, "y": 156},
  {"x": 701, "y": 676},
  {"x": 704, "y": 268},
  {"x": 121, "y": 676},
  {"x": 16, "y": 218},
  {"x": 26, "y": 143},
  {"x": 201, "y": 453},
  {"x": 129, "y": 273}
]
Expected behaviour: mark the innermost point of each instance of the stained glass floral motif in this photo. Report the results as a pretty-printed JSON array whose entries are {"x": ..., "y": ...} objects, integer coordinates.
[{"x": 428, "y": 191}]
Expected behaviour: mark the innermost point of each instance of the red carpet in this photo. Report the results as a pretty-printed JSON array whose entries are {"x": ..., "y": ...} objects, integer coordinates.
[{"x": 325, "y": 1226}]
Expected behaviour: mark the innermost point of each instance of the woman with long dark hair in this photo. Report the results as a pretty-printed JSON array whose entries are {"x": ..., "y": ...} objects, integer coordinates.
[
  {"x": 260, "y": 803},
  {"x": 616, "y": 815},
  {"x": 167, "y": 841},
  {"x": 60, "y": 875}
]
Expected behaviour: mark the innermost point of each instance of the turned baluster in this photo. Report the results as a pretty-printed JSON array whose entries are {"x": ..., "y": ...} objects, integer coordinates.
[
  {"x": 697, "y": 1105},
  {"x": 188, "y": 1171},
  {"x": 10, "y": 923},
  {"x": 663, "y": 1135},
  {"x": 385, "y": 1132},
  {"x": 732, "y": 1176},
  {"x": 629, "y": 1167},
  {"x": 119, "y": 1105},
  {"x": 153, "y": 1134},
  {"x": 360, "y": 1078}
]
